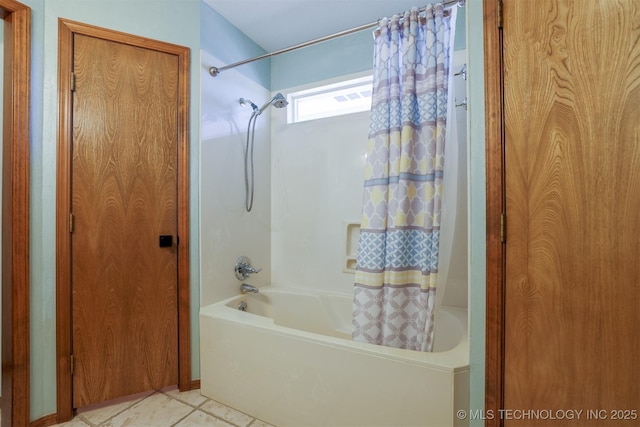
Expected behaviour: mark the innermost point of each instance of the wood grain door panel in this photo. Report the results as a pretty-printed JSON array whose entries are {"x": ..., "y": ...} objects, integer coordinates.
[
  {"x": 124, "y": 196},
  {"x": 572, "y": 141}
]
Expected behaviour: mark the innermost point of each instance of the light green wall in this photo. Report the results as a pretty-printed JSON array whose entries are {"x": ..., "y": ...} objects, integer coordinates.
[
  {"x": 226, "y": 42},
  {"x": 477, "y": 205},
  {"x": 42, "y": 262},
  {"x": 334, "y": 58},
  {"x": 174, "y": 21}
]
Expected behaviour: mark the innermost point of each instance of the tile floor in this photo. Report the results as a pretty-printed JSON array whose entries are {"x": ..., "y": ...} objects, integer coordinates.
[{"x": 165, "y": 408}]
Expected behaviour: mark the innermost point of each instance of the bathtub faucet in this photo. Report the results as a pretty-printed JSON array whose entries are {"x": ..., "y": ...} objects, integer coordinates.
[
  {"x": 244, "y": 268},
  {"x": 248, "y": 288}
]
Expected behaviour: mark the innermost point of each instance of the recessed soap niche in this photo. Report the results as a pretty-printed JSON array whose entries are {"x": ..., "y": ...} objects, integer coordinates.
[{"x": 351, "y": 237}]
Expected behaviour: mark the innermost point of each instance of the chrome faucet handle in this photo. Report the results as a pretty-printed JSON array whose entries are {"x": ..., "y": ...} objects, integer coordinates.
[
  {"x": 249, "y": 269},
  {"x": 243, "y": 268}
]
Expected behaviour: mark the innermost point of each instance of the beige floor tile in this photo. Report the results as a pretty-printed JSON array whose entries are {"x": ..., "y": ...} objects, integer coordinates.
[
  {"x": 260, "y": 423},
  {"x": 201, "y": 419},
  {"x": 101, "y": 412},
  {"x": 155, "y": 410},
  {"x": 226, "y": 413},
  {"x": 162, "y": 410},
  {"x": 193, "y": 397},
  {"x": 76, "y": 422}
]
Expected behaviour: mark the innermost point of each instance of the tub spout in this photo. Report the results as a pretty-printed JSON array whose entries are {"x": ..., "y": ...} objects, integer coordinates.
[{"x": 246, "y": 288}]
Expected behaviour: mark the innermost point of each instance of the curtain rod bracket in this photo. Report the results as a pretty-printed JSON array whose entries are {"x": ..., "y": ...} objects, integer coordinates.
[{"x": 214, "y": 71}]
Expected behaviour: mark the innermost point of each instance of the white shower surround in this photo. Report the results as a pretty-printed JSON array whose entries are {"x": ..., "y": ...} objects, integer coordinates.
[
  {"x": 289, "y": 360},
  {"x": 309, "y": 180}
]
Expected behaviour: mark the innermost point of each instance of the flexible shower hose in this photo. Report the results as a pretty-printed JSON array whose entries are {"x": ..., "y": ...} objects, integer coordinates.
[{"x": 248, "y": 163}]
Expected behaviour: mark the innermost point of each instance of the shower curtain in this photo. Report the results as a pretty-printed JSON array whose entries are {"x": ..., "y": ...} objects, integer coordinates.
[{"x": 395, "y": 284}]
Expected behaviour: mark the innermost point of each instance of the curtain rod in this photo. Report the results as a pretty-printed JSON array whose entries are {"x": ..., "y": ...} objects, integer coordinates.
[{"x": 214, "y": 71}]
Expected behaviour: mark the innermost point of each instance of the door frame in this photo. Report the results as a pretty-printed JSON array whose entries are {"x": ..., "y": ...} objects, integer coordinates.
[
  {"x": 495, "y": 209},
  {"x": 15, "y": 212},
  {"x": 66, "y": 30}
]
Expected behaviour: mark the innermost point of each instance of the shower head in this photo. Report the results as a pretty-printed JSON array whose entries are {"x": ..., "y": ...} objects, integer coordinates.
[
  {"x": 244, "y": 102},
  {"x": 277, "y": 101}
]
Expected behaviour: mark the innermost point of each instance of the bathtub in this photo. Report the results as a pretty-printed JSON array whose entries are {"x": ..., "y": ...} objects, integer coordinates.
[{"x": 289, "y": 360}]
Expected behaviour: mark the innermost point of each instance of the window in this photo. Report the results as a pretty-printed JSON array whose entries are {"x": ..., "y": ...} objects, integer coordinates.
[{"x": 351, "y": 96}]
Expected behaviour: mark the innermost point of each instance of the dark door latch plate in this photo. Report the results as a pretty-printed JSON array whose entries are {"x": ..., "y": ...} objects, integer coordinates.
[{"x": 166, "y": 241}]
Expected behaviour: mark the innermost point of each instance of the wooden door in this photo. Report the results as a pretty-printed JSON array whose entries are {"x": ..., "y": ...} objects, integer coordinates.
[
  {"x": 124, "y": 197},
  {"x": 572, "y": 145}
]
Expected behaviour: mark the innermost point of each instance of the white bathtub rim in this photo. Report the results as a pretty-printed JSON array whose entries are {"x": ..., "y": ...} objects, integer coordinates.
[{"x": 453, "y": 360}]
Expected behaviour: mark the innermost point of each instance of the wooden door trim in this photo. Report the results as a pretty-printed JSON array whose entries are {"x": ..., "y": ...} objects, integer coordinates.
[
  {"x": 495, "y": 268},
  {"x": 66, "y": 30},
  {"x": 15, "y": 213}
]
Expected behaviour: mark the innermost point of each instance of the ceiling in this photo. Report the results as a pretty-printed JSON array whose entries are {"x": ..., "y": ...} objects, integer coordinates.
[{"x": 276, "y": 24}]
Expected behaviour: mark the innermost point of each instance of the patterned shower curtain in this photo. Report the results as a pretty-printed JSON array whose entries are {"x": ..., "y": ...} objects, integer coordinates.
[{"x": 395, "y": 284}]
